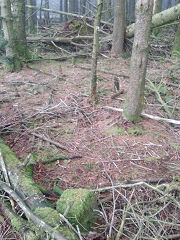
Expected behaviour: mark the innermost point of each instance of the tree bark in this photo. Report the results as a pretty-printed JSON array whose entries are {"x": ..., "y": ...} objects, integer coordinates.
[
  {"x": 118, "y": 27},
  {"x": 19, "y": 28},
  {"x": 135, "y": 95},
  {"x": 12, "y": 61},
  {"x": 159, "y": 19},
  {"x": 95, "y": 51}
]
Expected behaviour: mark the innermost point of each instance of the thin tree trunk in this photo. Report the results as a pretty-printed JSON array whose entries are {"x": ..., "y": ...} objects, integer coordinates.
[
  {"x": 82, "y": 7},
  {"x": 176, "y": 47},
  {"x": 107, "y": 9},
  {"x": 65, "y": 10},
  {"x": 19, "y": 28},
  {"x": 0, "y": 20},
  {"x": 157, "y": 6},
  {"x": 32, "y": 17},
  {"x": 132, "y": 11},
  {"x": 135, "y": 95},
  {"x": 118, "y": 27},
  {"x": 46, "y": 14},
  {"x": 61, "y": 9},
  {"x": 12, "y": 61},
  {"x": 95, "y": 51}
]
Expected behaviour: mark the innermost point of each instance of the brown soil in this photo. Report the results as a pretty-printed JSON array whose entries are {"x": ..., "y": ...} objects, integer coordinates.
[{"x": 56, "y": 105}]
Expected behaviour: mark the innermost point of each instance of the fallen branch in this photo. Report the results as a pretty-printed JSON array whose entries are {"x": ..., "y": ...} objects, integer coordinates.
[
  {"x": 159, "y": 19},
  {"x": 59, "y": 39},
  {"x": 147, "y": 115},
  {"x": 60, "y": 158},
  {"x": 36, "y": 220},
  {"x": 50, "y": 141},
  {"x": 154, "y": 89},
  {"x": 64, "y": 58},
  {"x": 102, "y": 71},
  {"x": 65, "y": 13}
]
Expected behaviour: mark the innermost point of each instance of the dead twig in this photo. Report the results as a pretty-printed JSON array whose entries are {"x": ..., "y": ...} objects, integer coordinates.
[
  {"x": 147, "y": 115},
  {"x": 36, "y": 220},
  {"x": 50, "y": 141}
]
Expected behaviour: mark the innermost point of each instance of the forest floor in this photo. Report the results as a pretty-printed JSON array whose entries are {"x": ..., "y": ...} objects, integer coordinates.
[{"x": 54, "y": 103}]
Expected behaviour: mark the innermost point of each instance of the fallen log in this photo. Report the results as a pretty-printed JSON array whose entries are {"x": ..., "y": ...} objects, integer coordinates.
[
  {"x": 159, "y": 19},
  {"x": 146, "y": 115},
  {"x": 65, "y": 13},
  {"x": 28, "y": 195},
  {"x": 36, "y": 220},
  {"x": 59, "y": 39}
]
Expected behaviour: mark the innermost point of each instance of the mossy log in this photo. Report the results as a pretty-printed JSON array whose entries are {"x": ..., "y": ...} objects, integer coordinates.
[
  {"x": 29, "y": 196},
  {"x": 21, "y": 179},
  {"x": 159, "y": 19}
]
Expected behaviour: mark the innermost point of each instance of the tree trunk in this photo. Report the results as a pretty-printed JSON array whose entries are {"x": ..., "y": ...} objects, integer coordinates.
[
  {"x": 135, "y": 95},
  {"x": 0, "y": 19},
  {"x": 12, "y": 61},
  {"x": 176, "y": 47},
  {"x": 82, "y": 7},
  {"x": 159, "y": 19},
  {"x": 46, "y": 14},
  {"x": 107, "y": 9},
  {"x": 118, "y": 27},
  {"x": 65, "y": 10},
  {"x": 19, "y": 28},
  {"x": 27, "y": 193},
  {"x": 157, "y": 6},
  {"x": 132, "y": 11},
  {"x": 32, "y": 17},
  {"x": 61, "y": 9},
  {"x": 72, "y": 6},
  {"x": 95, "y": 51}
]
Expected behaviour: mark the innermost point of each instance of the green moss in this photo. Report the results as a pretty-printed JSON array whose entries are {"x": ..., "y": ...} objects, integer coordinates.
[
  {"x": 81, "y": 212},
  {"x": 7, "y": 153},
  {"x": 51, "y": 217},
  {"x": 115, "y": 130},
  {"x": 48, "y": 215},
  {"x": 2, "y": 219},
  {"x": 132, "y": 117},
  {"x": 69, "y": 235},
  {"x": 135, "y": 130}
]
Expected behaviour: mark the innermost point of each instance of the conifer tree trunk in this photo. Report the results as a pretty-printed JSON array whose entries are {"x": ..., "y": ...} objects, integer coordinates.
[
  {"x": 95, "y": 51},
  {"x": 19, "y": 28},
  {"x": 118, "y": 27},
  {"x": 65, "y": 10},
  {"x": 72, "y": 6},
  {"x": 12, "y": 61},
  {"x": 82, "y": 7},
  {"x": 132, "y": 11},
  {"x": 107, "y": 9},
  {"x": 61, "y": 9},
  {"x": 46, "y": 14},
  {"x": 32, "y": 17},
  {"x": 135, "y": 95}
]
